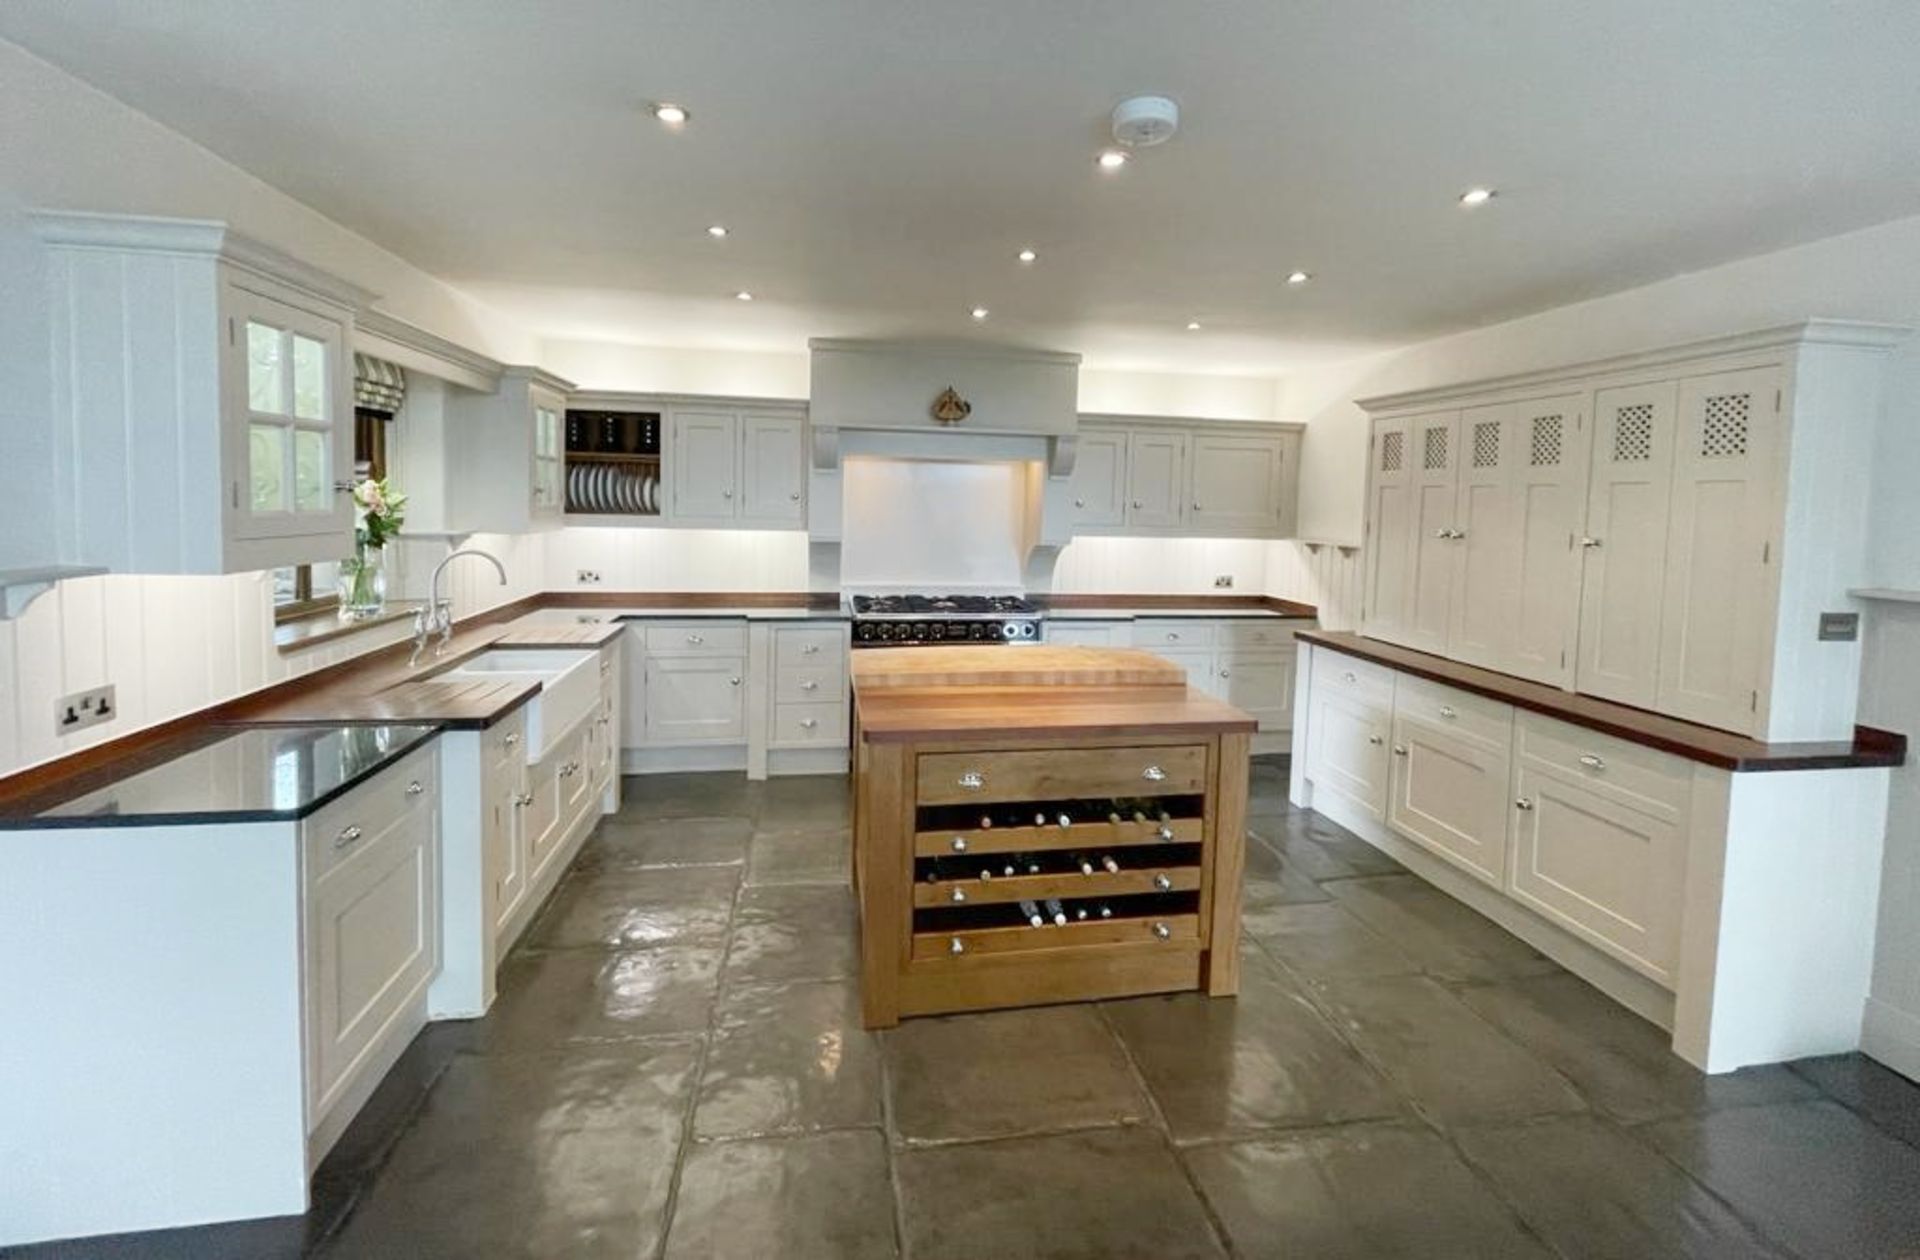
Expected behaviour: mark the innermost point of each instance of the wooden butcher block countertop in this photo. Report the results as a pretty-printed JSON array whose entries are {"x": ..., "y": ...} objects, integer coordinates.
[{"x": 913, "y": 694}]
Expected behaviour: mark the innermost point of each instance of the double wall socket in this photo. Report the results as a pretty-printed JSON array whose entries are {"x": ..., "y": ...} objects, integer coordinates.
[
  {"x": 1224, "y": 581},
  {"x": 83, "y": 709},
  {"x": 586, "y": 577}
]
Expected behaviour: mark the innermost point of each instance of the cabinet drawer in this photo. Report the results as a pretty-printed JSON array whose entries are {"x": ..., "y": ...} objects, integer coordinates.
[
  {"x": 343, "y": 827},
  {"x": 947, "y": 778},
  {"x": 1349, "y": 675},
  {"x": 1450, "y": 709},
  {"x": 697, "y": 638},
  {"x": 810, "y": 724},
  {"x": 803, "y": 684},
  {"x": 809, "y": 645},
  {"x": 1244, "y": 634},
  {"x": 1178, "y": 929},
  {"x": 1087, "y": 633},
  {"x": 1630, "y": 773},
  {"x": 1172, "y": 632}
]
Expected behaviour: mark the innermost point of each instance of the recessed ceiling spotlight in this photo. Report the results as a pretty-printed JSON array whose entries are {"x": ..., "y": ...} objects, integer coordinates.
[
  {"x": 1112, "y": 159},
  {"x": 743, "y": 296},
  {"x": 1476, "y": 197},
  {"x": 979, "y": 312},
  {"x": 670, "y": 114},
  {"x": 1193, "y": 325},
  {"x": 1026, "y": 255},
  {"x": 718, "y": 231},
  {"x": 1299, "y": 277}
]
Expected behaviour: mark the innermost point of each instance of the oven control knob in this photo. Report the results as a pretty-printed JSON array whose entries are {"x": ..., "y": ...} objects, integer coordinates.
[{"x": 1009, "y": 631}]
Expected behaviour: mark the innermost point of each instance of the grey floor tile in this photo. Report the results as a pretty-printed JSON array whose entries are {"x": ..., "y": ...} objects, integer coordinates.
[
  {"x": 1440, "y": 1053},
  {"x": 668, "y": 842},
  {"x": 793, "y": 932},
  {"x": 532, "y": 1155},
  {"x": 804, "y": 803},
  {"x": 1110, "y": 1195},
  {"x": 1343, "y": 844},
  {"x": 1008, "y": 1072},
  {"x": 399, "y": 1097},
  {"x": 1597, "y": 1193},
  {"x": 582, "y": 996},
  {"x": 1300, "y": 852},
  {"x": 790, "y": 1057},
  {"x": 1880, "y": 1094},
  {"x": 1447, "y": 938},
  {"x": 628, "y": 906},
  {"x": 1326, "y": 941},
  {"x": 1624, "y": 1065},
  {"x": 1263, "y": 1060},
  {"x": 1366, "y": 1193},
  {"x": 1264, "y": 901},
  {"x": 1812, "y": 1176},
  {"x": 827, "y": 1195},
  {"x": 801, "y": 857},
  {"x": 722, "y": 794}
]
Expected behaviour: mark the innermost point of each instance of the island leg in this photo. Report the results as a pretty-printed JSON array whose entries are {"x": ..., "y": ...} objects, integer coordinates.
[
  {"x": 1229, "y": 864},
  {"x": 884, "y": 836}
]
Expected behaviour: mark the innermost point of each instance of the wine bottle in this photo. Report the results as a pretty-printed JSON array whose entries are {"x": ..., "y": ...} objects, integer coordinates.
[
  {"x": 986, "y": 872},
  {"x": 1058, "y": 911},
  {"x": 1040, "y": 818},
  {"x": 986, "y": 822},
  {"x": 1033, "y": 914},
  {"x": 1109, "y": 865},
  {"x": 1106, "y": 911},
  {"x": 1065, "y": 820},
  {"x": 1079, "y": 914},
  {"x": 1085, "y": 864}
]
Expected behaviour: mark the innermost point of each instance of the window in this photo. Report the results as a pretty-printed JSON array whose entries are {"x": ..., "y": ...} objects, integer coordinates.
[
  {"x": 289, "y": 421},
  {"x": 305, "y": 589}
]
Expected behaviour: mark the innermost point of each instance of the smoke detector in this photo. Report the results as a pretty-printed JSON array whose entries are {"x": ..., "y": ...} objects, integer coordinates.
[{"x": 1142, "y": 121}]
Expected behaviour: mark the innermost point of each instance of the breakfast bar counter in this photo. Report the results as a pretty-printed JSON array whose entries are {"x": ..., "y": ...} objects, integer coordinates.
[{"x": 1038, "y": 824}]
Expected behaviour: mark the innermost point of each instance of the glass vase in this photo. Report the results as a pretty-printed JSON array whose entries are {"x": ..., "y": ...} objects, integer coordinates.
[{"x": 362, "y": 583}]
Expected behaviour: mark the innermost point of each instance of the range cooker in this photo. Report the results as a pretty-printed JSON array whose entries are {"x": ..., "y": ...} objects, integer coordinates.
[{"x": 919, "y": 620}]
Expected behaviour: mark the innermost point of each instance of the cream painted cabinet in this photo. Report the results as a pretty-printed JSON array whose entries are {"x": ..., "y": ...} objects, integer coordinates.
[
  {"x": 1389, "y": 532},
  {"x": 1347, "y": 750},
  {"x": 1237, "y": 483},
  {"x": 1715, "y": 614},
  {"x": 504, "y": 454},
  {"x": 1076, "y": 633},
  {"x": 1156, "y": 478},
  {"x": 703, "y": 449},
  {"x": 1485, "y": 594},
  {"x": 1197, "y": 661},
  {"x": 1433, "y": 442},
  {"x": 773, "y": 470},
  {"x": 504, "y": 842},
  {"x": 1099, "y": 484},
  {"x": 1549, "y": 498},
  {"x": 696, "y": 700},
  {"x": 1452, "y": 757},
  {"x": 1624, "y": 543},
  {"x": 547, "y": 499},
  {"x": 1259, "y": 682}
]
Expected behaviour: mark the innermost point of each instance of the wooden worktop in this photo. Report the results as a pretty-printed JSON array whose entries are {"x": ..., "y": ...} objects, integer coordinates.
[
  {"x": 1869, "y": 747},
  {"x": 914, "y": 694}
]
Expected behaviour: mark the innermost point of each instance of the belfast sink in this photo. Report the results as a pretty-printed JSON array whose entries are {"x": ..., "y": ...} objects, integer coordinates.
[{"x": 569, "y": 687}]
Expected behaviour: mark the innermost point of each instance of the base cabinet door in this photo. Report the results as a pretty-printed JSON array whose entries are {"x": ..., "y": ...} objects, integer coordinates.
[
  {"x": 1610, "y": 871},
  {"x": 1450, "y": 796},
  {"x": 540, "y": 817},
  {"x": 373, "y": 927},
  {"x": 1260, "y": 683},
  {"x": 696, "y": 700},
  {"x": 1198, "y": 662},
  {"x": 1347, "y": 749},
  {"x": 505, "y": 849}
]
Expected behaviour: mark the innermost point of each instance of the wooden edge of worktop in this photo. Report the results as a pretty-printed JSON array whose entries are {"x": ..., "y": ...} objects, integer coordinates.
[
  {"x": 1030, "y": 665},
  {"x": 1871, "y": 746},
  {"x": 813, "y": 601},
  {"x": 1146, "y": 603},
  {"x": 913, "y": 715}
]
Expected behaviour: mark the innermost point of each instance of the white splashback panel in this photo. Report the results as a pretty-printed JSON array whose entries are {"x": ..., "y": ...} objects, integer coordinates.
[{"x": 932, "y": 525}]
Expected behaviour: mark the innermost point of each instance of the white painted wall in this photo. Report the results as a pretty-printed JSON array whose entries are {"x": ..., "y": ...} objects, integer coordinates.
[{"x": 1890, "y": 698}]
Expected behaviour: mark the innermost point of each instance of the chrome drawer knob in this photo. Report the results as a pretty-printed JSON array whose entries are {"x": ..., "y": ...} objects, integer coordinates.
[
  {"x": 1162, "y": 931},
  {"x": 1592, "y": 762},
  {"x": 807, "y": 724},
  {"x": 347, "y": 836},
  {"x": 956, "y": 946},
  {"x": 1164, "y": 832},
  {"x": 1523, "y": 804},
  {"x": 414, "y": 788},
  {"x": 511, "y": 739},
  {"x": 734, "y": 681},
  {"x": 810, "y": 649},
  {"x": 1589, "y": 542},
  {"x": 1447, "y": 711},
  {"x": 1375, "y": 740},
  {"x": 793, "y": 496},
  {"x": 1399, "y": 750},
  {"x": 959, "y": 894},
  {"x": 1163, "y": 882},
  {"x": 1153, "y": 774},
  {"x": 1079, "y": 503},
  {"x": 696, "y": 638},
  {"x": 973, "y": 780},
  {"x": 1350, "y": 676},
  {"x": 809, "y": 686},
  {"x": 959, "y": 844}
]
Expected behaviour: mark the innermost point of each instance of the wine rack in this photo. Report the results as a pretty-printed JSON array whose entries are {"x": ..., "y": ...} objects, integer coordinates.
[{"x": 1009, "y": 876}]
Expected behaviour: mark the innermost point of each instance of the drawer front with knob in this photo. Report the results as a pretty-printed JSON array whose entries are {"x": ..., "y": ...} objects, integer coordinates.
[
  {"x": 718, "y": 637},
  {"x": 807, "y": 684},
  {"x": 1061, "y": 774},
  {"x": 1350, "y": 676},
  {"x": 1632, "y": 774},
  {"x": 1461, "y": 713},
  {"x": 1173, "y": 632},
  {"x": 810, "y": 724},
  {"x": 814, "y": 647},
  {"x": 338, "y": 831}
]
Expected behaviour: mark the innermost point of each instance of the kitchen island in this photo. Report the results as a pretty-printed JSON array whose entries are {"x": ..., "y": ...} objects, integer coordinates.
[{"x": 1042, "y": 824}]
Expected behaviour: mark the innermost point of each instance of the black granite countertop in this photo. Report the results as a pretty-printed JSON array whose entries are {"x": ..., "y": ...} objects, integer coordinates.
[{"x": 226, "y": 774}]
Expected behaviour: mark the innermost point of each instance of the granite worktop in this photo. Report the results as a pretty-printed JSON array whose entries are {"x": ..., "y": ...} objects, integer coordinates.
[{"x": 223, "y": 774}]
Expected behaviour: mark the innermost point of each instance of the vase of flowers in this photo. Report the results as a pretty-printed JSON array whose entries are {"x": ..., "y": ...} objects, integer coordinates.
[{"x": 378, "y": 510}]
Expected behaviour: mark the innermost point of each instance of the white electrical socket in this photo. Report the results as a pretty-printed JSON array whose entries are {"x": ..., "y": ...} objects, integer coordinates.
[
  {"x": 83, "y": 709},
  {"x": 587, "y": 577},
  {"x": 1224, "y": 581}
]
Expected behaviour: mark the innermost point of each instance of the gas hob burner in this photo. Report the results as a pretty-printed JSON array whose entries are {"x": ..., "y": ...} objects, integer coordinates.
[{"x": 923, "y": 620}]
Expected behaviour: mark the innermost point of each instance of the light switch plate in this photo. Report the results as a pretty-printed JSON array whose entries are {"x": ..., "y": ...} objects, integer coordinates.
[
  {"x": 83, "y": 709},
  {"x": 1839, "y": 627}
]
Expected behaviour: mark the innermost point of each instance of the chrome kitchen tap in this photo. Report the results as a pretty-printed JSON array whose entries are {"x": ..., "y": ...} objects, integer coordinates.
[{"x": 437, "y": 616}]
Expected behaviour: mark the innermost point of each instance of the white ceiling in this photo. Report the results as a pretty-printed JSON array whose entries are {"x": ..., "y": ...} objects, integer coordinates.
[{"x": 879, "y": 162}]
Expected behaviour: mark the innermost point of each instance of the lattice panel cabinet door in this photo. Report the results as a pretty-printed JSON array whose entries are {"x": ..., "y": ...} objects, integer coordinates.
[
  {"x": 1624, "y": 545},
  {"x": 1720, "y": 583},
  {"x": 1433, "y": 446},
  {"x": 1485, "y": 596},
  {"x": 1389, "y": 549},
  {"x": 1550, "y": 506}
]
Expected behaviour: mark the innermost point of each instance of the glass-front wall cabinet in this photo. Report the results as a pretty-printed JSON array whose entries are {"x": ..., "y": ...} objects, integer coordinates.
[{"x": 298, "y": 440}]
